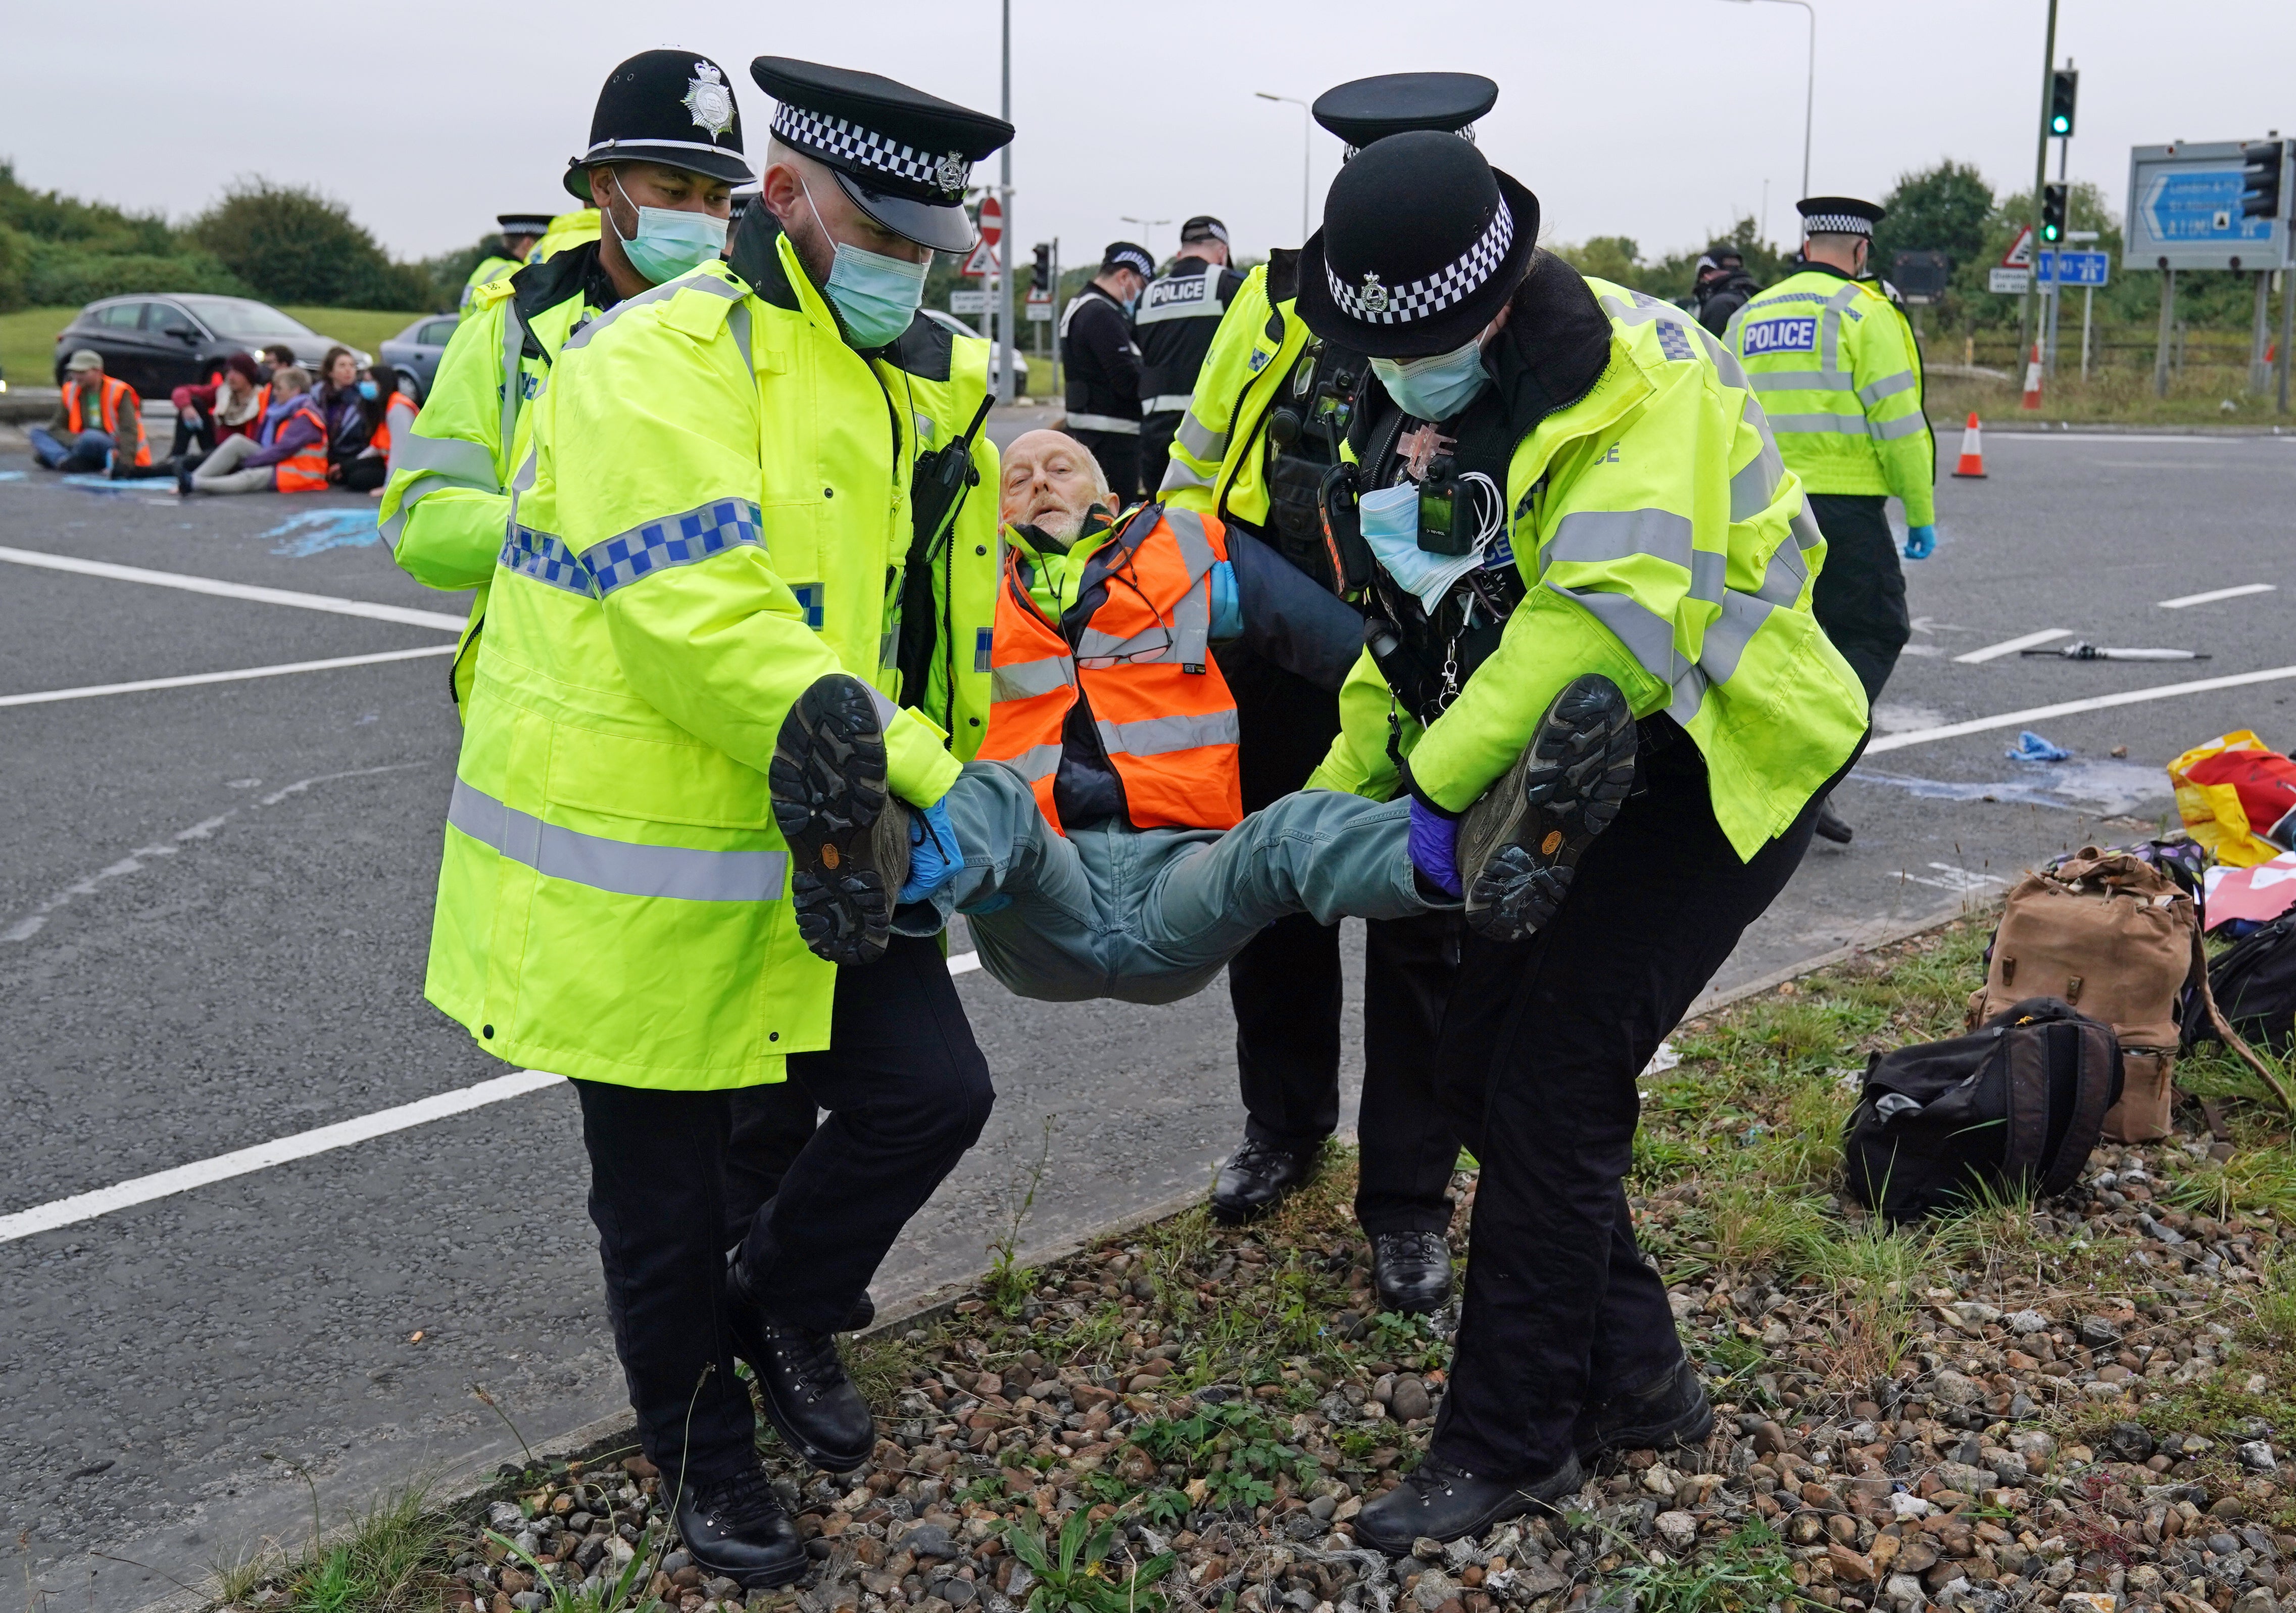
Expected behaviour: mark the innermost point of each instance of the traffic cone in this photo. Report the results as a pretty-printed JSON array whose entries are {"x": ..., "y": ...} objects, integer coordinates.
[
  {"x": 2033, "y": 377},
  {"x": 1972, "y": 450}
]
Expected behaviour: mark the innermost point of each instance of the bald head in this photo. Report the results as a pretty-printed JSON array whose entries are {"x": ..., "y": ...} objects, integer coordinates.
[{"x": 1051, "y": 482}]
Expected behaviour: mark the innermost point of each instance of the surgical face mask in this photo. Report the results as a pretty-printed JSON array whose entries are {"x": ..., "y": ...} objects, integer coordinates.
[
  {"x": 1390, "y": 523},
  {"x": 1435, "y": 388},
  {"x": 877, "y": 295},
  {"x": 366, "y": 390},
  {"x": 669, "y": 241}
]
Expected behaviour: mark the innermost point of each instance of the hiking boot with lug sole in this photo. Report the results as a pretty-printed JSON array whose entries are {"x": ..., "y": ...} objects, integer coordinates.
[
  {"x": 802, "y": 1381},
  {"x": 1444, "y": 1501},
  {"x": 737, "y": 1528},
  {"x": 1411, "y": 1271},
  {"x": 1672, "y": 1411},
  {"x": 848, "y": 836},
  {"x": 1521, "y": 844}
]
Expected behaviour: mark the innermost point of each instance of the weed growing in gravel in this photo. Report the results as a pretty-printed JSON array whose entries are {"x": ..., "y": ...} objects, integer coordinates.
[
  {"x": 1073, "y": 1576},
  {"x": 1746, "y": 1571},
  {"x": 385, "y": 1564}
]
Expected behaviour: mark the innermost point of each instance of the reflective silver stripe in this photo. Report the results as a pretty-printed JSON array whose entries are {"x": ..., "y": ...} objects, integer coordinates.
[
  {"x": 1783, "y": 578},
  {"x": 1726, "y": 635},
  {"x": 1726, "y": 362},
  {"x": 1891, "y": 430},
  {"x": 1106, "y": 422},
  {"x": 1162, "y": 736},
  {"x": 1037, "y": 762},
  {"x": 1707, "y": 572},
  {"x": 513, "y": 340},
  {"x": 1648, "y": 637},
  {"x": 1201, "y": 440},
  {"x": 738, "y": 322},
  {"x": 1166, "y": 403},
  {"x": 1782, "y": 299},
  {"x": 524, "y": 480},
  {"x": 1593, "y": 537},
  {"x": 465, "y": 464},
  {"x": 1804, "y": 381},
  {"x": 399, "y": 419},
  {"x": 1888, "y": 386},
  {"x": 619, "y": 866},
  {"x": 396, "y": 526},
  {"x": 699, "y": 280},
  {"x": 1806, "y": 532},
  {"x": 1027, "y": 679},
  {"x": 1752, "y": 488},
  {"x": 1852, "y": 425},
  {"x": 1179, "y": 474},
  {"x": 1196, "y": 549},
  {"x": 1689, "y": 694}
]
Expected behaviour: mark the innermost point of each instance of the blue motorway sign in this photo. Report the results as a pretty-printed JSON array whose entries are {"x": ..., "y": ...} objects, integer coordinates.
[
  {"x": 2074, "y": 269},
  {"x": 2183, "y": 210},
  {"x": 2199, "y": 207}
]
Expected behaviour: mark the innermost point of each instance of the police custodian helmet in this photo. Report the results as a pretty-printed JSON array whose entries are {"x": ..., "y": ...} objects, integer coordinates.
[
  {"x": 904, "y": 157},
  {"x": 671, "y": 107}
]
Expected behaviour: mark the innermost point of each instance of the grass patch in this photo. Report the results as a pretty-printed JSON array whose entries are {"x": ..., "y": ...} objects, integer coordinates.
[
  {"x": 28, "y": 337},
  {"x": 1748, "y": 1570},
  {"x": 390, "y": 1560}
]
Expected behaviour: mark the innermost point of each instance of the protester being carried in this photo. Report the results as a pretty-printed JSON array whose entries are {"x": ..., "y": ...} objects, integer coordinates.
[
  {"x": 231, "y": 405},
  {"x": 97, "y": 421},
  {"x": 288, "y": 454},
  {"x": 1086, "y": 848}
]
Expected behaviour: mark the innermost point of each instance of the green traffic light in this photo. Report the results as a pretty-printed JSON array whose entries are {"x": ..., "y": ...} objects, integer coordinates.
[
  {"x": 2060, "y": 124},
  {"x": 2049, "y": 231}
]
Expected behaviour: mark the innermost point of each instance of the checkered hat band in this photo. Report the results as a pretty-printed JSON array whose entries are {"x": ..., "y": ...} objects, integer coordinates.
[
  {"x": 1375, "y": 304},
  {"x": 1836, "y": 224},
  {"x": 840, "y": 137}
]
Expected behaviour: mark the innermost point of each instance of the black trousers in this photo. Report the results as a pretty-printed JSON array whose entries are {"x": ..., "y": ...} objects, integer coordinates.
[
  {"x": 907, "y": 1093},
  {"x": 1860, "y": 600},
  {"x": 1540, "y": 1050},
  {"x": 1286, "y": 992},
  {"x": 1156, "y": 434},
  {"x": 1118, "y": 453}
]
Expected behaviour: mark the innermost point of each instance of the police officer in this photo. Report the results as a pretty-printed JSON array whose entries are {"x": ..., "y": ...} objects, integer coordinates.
[
  {"x": 1591, "y": 664},
  {"x": 1178, "y": 313},
  {"x": 1840, "y": 375},
  {"x": 1723, "y": 286},
  {"x": 1102, "y": 359},
  {"x": 1270, "y": 414},
  {"x": 520, "y": 232},
  {"x": 447, "y": 498},
  {"x": 715, "y": 516}
]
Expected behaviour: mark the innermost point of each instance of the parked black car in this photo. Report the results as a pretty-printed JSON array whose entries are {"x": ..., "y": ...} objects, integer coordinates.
[
  {"x": 415, "y": 351},
  {"x": 158, "y": 343}
]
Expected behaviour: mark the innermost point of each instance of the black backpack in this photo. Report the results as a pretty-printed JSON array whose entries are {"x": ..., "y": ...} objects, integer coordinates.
[
  {"x": 2018, "y": 1103},
  {"x": 2254, "y": 983}
]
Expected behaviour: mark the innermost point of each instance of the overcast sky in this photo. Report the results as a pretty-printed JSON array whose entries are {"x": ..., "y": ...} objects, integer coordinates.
[{"x": 1659, "y": 120}]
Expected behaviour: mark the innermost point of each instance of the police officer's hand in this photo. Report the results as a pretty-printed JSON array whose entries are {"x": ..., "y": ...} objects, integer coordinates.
[
  {"x": 1434, "y": 846},
  {"x": 934, "y": 855},
  {"x": 1920, "y": 542}
]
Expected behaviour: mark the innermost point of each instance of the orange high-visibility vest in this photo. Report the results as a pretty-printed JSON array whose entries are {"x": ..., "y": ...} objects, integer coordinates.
[
  {"x": 305, "y": 471},
  {"x": 108, "y": 407},
  {"x": 398, "y": 407},
  {"x": 1143, "y": 666}
]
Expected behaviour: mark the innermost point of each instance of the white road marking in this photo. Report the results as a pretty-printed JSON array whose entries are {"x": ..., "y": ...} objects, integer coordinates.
[
  {"x": 2067, "y": 708},
  {"x": 1953, "y": 878},
  {"x": 44, "y": 697},
  {"x": 2010, "y": 647},
  {"x": 330, "y": 602},
  {"x": 241, "y": 1161},
  {"x": 2213, "y": 595}
]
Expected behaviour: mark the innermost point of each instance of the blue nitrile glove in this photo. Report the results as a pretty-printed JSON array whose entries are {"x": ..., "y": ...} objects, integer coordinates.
[
  {"x": 934, "y": 858},
  {"x": 1434, "y": 846},
  {"x": 1920, "y": 542}
]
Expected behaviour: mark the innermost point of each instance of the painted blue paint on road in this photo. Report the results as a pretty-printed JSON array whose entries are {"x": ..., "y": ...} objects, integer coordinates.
[{"x": 315, "y": 531}]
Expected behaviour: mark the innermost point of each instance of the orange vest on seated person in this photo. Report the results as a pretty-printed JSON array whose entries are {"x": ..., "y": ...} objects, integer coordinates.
[
  {"x": 305, "y": 471},
  {"x": 398, "y": 409},
  {"x": 1143, "y": 666},
  {"x": 108, "y": 408}
]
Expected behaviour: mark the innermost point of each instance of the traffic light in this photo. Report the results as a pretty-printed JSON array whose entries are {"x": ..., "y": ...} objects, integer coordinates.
[
  {"x": 2259, "y": 180},
  {"x": 2064, "y": 85},
  {"x": 2053, "y": 198},
  {"x": 1044, "y": 280}
]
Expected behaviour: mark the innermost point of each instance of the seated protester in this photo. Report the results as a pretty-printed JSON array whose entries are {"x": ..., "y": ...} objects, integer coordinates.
[
  {"x": 288, "y": 453},
  {"x": 275, "y": 358},
  {"x": 97, "y": 425},
  {"x": 1086, "y": 848},
  {"x": 231, "y": 405},
  {"x": 386, "y": 408},
  {"x": 337, "y": 398}
]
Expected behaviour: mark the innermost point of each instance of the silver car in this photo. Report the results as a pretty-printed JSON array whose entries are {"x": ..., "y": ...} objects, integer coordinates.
[{"x": 416, "y": 350}]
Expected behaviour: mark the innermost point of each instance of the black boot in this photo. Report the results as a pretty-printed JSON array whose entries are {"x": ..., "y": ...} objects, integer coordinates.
[
  {"x": 1445, "y": 1502},
  {"x": 1672, "y": 1411},
  {"x": 848, "y": 836},
  {"x": 737, "y": 1528},
  {"x": 1256, "y": 1178},
  {"x": 1832, "y": 825},
  {"x": 1521, "y": 844},
  {"x": 802, "y": 1381},
  {"x": 1411, "y": 1271}
]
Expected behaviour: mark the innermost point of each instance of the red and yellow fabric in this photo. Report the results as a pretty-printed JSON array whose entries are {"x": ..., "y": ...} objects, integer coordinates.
[{"x": 2237, "y": 796}]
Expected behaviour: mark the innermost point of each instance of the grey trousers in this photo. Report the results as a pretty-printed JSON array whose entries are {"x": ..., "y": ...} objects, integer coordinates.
[
  {"x": 219, "y": 472},
  {"x": 1153, "y": 916}
]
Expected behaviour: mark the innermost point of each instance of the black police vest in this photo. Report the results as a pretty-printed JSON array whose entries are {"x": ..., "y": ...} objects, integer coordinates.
[{"x": 1179, "y": 313}]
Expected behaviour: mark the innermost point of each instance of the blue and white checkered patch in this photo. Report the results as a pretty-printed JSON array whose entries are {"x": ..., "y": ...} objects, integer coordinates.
[
  {"x": 674, "y": 540},
  {"x": 810, "y": 600},
  {"x": 546, "y": 559},
  {"x": 1795, "y": 336}
]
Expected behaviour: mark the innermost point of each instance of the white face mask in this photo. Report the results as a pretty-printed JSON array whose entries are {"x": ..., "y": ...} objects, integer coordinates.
[
  {"x": 878, "y": 295},
  {"x": 1436, "y": 387}
]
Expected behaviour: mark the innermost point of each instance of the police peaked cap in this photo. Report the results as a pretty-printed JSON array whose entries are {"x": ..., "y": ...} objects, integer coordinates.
[
  {"x": 1838, "y": 216},
  {"x": 1423, "y": 242},
  {"x": 523, "y": 224},
  {"x": 1365, "y": 110},
  {"x": 671, "y": 107},
  {"x": 905, "y": 158}
]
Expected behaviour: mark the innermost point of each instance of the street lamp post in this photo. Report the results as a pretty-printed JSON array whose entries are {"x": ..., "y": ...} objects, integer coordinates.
[
  {"x": 1007, "y": 371},
  {"x": 1148, "y": 227},
  {"x": 1810, "y": 95},
  {"x": 1306, "y": 151}
]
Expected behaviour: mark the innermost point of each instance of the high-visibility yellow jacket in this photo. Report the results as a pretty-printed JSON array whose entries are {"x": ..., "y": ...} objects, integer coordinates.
[
  {"x": 447, "y": 497},
  {"x": 1219, "y": 456},
  {"x": 1664, "y": 545},
  {"x": 490, "y": 269},
  {"x": 1836, "y": 369},
  {"x": 715, "y": 514},
  {"x": 568, "y": 229}
]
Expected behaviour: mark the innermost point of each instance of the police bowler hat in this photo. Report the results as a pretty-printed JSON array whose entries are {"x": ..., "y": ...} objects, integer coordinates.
[
  {"x": 1423, "y": 241},
  {"x": 670, "y": 107}
]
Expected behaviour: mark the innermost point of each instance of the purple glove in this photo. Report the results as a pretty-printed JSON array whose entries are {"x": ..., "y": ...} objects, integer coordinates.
[{"x": 1435, "y": 847}]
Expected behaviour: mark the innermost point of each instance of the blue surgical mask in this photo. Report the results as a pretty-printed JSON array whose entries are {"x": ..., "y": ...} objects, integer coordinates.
[
  {"x": 669, "y": 241},
  {"x": 366, "y": 390},
  {"x": 877, "y": 295},
  {"x": 1434, "y": 388},
  {"x": 1388, "y": 520}
]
